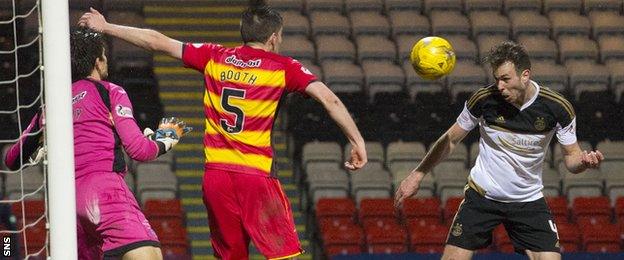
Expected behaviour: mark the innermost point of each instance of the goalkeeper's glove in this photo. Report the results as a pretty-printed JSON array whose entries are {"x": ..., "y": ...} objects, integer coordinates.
[{"x": 169, "y": 132}]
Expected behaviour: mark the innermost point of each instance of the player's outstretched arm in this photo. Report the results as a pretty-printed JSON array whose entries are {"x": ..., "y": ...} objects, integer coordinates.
[
  {"x": 145, "y": 38},
  {"x": 338, "y": 112},
  {"x": 577, "y": 160},
  {"x": 438, "y": 152}
]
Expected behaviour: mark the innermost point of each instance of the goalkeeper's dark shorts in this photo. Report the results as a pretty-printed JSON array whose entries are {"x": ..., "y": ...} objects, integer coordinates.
[{"x": 530, "y": 225}]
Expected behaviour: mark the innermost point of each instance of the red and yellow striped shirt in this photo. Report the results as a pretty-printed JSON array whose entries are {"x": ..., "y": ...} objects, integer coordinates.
[{"x": 243, "y": 89}]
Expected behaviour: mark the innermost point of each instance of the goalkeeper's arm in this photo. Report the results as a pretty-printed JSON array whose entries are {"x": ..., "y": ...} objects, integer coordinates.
[{"x": 28, "y": 143}]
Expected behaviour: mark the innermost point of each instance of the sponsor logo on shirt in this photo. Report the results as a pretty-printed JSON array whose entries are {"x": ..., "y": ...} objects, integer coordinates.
[
  {"x": 123, "y": 111},
  {"x": 79, "y": 97},
  {"x": 243, "y": 64}
]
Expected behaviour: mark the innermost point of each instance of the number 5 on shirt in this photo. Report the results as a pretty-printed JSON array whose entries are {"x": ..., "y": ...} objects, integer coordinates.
[{"x": 239, "y": 120}]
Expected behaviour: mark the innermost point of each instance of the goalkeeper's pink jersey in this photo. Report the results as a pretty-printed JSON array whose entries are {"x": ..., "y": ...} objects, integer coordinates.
[{"x": 101, "y": 131}]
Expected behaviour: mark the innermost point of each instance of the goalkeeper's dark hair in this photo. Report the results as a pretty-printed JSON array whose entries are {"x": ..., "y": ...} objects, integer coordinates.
[
  {"x": 86, "y": 46},
  {"x": 509, "y": 51},
  {"x": 258, "y": 22}
]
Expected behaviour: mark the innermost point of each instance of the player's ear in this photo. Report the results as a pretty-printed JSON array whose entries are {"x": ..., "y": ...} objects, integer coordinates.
[{"x": 525, "y": 75}]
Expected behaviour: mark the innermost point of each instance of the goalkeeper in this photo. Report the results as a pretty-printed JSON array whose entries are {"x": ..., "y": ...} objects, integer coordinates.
[{"x": 109, "y": 220}]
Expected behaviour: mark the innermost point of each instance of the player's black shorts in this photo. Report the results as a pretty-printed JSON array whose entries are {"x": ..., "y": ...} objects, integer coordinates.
[{"x": 529, "y": 224}]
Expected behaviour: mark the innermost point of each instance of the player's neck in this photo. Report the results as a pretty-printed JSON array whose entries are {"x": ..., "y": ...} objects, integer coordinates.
[
  {"x": 529, "y": 92},
  {"x": 259, "y": 46},
  {"x": 95, "y": 75}
]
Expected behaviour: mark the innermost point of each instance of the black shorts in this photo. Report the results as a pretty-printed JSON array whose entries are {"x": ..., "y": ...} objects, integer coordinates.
[{"x": 529, "y": 224}]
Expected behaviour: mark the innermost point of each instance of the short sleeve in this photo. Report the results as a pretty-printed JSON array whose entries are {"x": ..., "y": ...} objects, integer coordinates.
[
  {"x": 566, "y": 135},
  {"x": 197, "y": 55},
  {"x": 298, "y": 77},
  {"x": 466, "y": 120}
]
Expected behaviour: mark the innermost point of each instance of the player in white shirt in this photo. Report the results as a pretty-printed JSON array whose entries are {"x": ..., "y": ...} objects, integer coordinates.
[{"x": 517, "y": 119}]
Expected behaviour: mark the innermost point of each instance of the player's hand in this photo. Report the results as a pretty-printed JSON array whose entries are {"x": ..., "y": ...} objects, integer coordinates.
[
  {"x": 592, "y": 159},
  {"x": 409, "y": 186},
  {"x": 169, "y": 131},
  {"x": 358, "y": 158},
  {"x": 93, "y": 20}
]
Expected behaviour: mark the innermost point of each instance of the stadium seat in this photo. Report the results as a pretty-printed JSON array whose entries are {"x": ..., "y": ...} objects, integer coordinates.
[
  {"x": 122, "y": 5},
  {"x": 335, "y": 207},
  {"x": 427, "y": 239},
  {"x": 569, "y": 22},
  {"x": 465, "y": 49},
  {"x": 334, "y": 47},
  {"x": 382, "y": 77},
  {"x": 559, "y": 208},
  {"x": 522, "y": 5},
  {"x": 321, "y": 152},
  {"x": 345, "y": 74},
  {"x": 449, "y": 22},
  {"x": 371, "y": 181},
  {"x": 528, "y": 22},
  {"x": 613, "y": 6},
  {"x": 483, "y": 5},
  {"x": 32, "y": 180},
  {"x": 391, "y": 5},
  {"x": 405, "y": 42},
  {"x": 335, "y": 250},
  {"x": 587, "y": 184},
  {"x": 603, "y": 238},
  {"x": 389, "y": 238},
  {"x": 329, "y": 23},
  {"x": 370, "y": 208},
  {"x": 549, "y": 74},
  {"x": 369, "y": 22},
  {"x": 569, "y": 236},
  {"x": 326, "y": 180},
  {"x": 577, "y": 47},
  {"x": 450, "y": 208},
  {"x": 33, "y": 209},
  {"x": 286, "y": 5},
  {"x": 422, "y": 208},
  {"x": 374, "y": 150},
  {"x": 466, "y": 78},
  {"x": 606, "y": 22},
  {"x": 551, "y": 181},
  {"x": 375, "y": 47},
  {"x": 295, "y": 24},
  {"x": 587, "y": 76},
  {"x": 36, "y": 236},
  {"x": 616, "y": 69},
  {"x": 563, "y": 5},
  {"x": 594, "y": 210},
  {"x": 400, "y": 171},
  {"x": 163, "y": 209},
  {"x": 356, "y": 5},
  {"x": 324, "y": 5},
  {"x": 489, "y": 22},
  {"x": 169, "y": 230},
  {"x": 417, "y": 86},
  {"x": 539, "y": 47},
  {"x": 348, "y": 235},
  {"x": 408, "y": 22},
  {"x": 614, "y": 179},
  {"x": 611, "y": 47},
  {"x": 156, "y": 181},
  {"x": 486, "y": 42}
]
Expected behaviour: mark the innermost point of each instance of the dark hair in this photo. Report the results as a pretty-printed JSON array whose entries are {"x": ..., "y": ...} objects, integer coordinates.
[
  {"x": 509, "y": 51},
  {"x": 86, "y": 46},
  {"x": 258, "y": 22}
]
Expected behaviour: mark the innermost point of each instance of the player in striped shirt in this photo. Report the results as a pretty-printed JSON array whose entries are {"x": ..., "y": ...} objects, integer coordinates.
[{"x": 243, "y": 86}]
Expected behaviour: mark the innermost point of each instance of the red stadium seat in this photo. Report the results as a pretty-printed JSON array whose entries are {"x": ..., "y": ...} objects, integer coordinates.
[
  {"x": 502, "y": 240},
  {"x": 35, "y": 236},
  {"x": 619, "y": 208},
  {"x": 377, "y": 208},
  {"x": 594, "y": 210},
  {"x": 427, "y": 238},
  {"x": 425, "y": 221},
  {"x": 169, "y": 229},
  {"x": 601, "y": 238},
  {"x": 569, "y": 236},
  {"x": 342, "y": 207},
  {"x": 163, "y": 209},
  {"x": 34, "y": 209},
  {"x": 334, "y": 222},
  {"x": 351, "y": 235},
  {"x": 390, "y": 238},
  {"x": 558, "y": 207},
  {"x": 422, "y": 208},
  {"x": 451, "y": 207},
  {"x": 173, "y": 252},
  {"x": 335, "y": 250}
]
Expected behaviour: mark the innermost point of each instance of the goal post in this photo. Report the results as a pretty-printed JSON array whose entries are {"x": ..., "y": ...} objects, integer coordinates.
[{"x": 59, "y": 129}]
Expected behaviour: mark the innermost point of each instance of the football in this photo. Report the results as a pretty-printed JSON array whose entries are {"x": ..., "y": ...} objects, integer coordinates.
[{"x": 432, "y": 57}]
